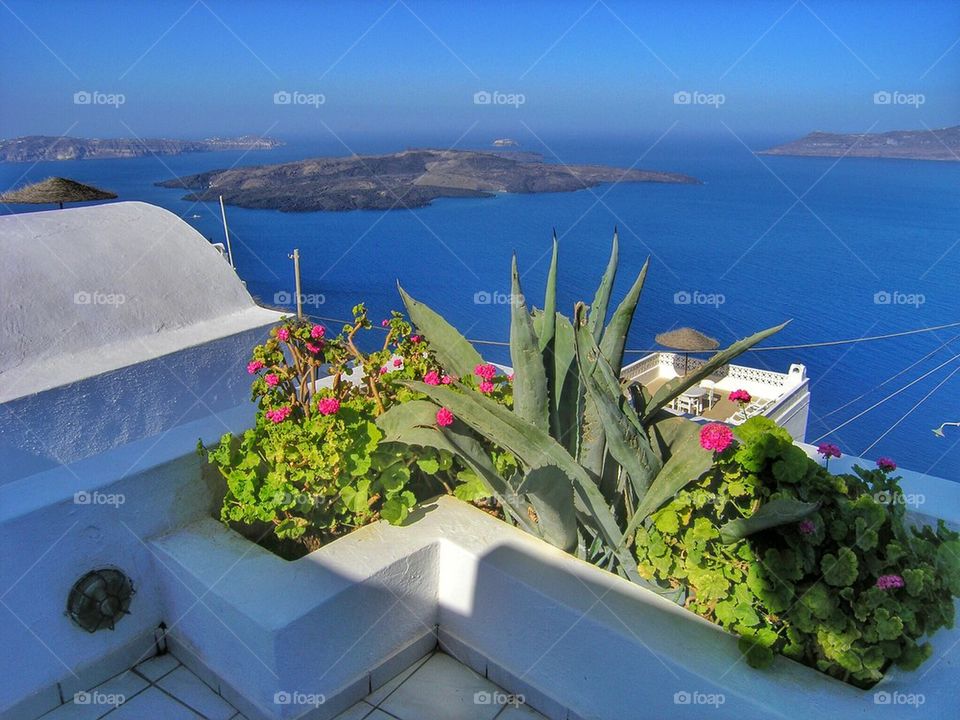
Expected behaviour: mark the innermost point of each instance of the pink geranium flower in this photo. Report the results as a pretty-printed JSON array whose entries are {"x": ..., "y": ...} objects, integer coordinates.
[
  {"x": 828, "y": 450},
  {"x": 740, "y": 396},
  {"x": 447, "y": 379},
  {"x": 398, "y": 362},
  {"x": 278, "y": 415},
  {"x": 317, "y": 332},
  {"x": 383, "y": 371},
  {"x": 889, "y": 582},
  {"x": 255, "y": 365},
  {"x": 487, "y": 372},
  {"x": 486, "y": 387},
  {"x": 384, "y": 323},
  {"x": 328, "y": 406},
  {"x": 414, "y": 338},
  {"x": 272, "y": 379},
  {"x": 716, "y": 437},
  {"x": 886, "y": 464},
  {"x": 444, "y": 417},
  {"x": 315, "y": 348},
  {"x": 283, "y": 334},
  {"x": 431, "y": 378}
]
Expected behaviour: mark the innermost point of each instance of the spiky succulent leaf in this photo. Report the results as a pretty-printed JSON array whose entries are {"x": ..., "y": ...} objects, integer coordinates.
[
  {"x": 626, "y": 442},
  {"x": 547, "y": 327},
  {"x": 601, "y": 300},
  {"x": 535, "y": 448},
  {"x": 615, "y": 334},
  {"x": 779, "y": 511},
  {"x": 530, "y": 398},
  {"x": 567, "y": 395},
  {"x": 550, "y": 493},
  {"x": 414, "y": 423},
  {"x": 452, "y": 349},
  {"x": 677, "y": 441}
]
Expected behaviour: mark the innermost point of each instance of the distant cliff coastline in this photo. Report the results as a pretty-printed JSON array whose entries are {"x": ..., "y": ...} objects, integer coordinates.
[
  {"x": 412, "y": 178},
  {"x": 35, "y": 148},
  {"x": 940, "y": 144}
]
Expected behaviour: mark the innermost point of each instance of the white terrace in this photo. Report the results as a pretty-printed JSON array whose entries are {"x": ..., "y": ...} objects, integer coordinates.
[{"x": 782, "y": 397}]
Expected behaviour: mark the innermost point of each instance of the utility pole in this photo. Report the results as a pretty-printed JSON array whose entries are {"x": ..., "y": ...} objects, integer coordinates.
[
  {"x": 226, "y": 232},
  {"x": 296, "y": 274}
]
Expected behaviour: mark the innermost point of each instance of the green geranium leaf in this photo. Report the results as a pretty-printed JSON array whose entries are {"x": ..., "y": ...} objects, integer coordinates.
[{"x": 840, "y": 569}]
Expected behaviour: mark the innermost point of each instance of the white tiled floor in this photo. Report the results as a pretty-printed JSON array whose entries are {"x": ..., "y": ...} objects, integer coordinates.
[
  {"x": 436, "y": 687},
  {"x": 157, "y": 688}
]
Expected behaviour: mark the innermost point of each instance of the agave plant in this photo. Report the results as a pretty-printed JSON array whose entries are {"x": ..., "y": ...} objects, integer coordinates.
[{"x": 595, "y": 463}]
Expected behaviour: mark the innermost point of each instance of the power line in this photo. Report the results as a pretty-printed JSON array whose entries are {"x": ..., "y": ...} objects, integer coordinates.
[
  {"x": 891, "y": 378},
  {"x": 915, "y": 406},
  {"x": 880, "y": 402},
  {"x": 769, "y": 348}
]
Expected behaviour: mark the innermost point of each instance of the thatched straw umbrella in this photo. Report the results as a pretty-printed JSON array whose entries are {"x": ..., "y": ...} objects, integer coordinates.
[
  {"x": 687, "y": 340},
  {"x": 56, "y": 190}
]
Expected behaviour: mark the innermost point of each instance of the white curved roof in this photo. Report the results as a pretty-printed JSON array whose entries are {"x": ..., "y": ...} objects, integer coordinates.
[{"x": 90, "y": 289}]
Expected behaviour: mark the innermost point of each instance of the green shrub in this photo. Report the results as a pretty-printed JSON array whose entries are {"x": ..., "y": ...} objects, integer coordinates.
[
  {"x": 315, "y": 464},
  {"x": 850, "y": 589}
]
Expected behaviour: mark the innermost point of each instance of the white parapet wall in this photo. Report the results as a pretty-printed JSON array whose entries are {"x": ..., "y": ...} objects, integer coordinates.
[
  {"x": 122, "y": 343},
  {"x": 574, "y": 640}
]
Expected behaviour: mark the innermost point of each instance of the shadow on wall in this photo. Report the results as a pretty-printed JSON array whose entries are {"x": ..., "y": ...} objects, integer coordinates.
[{"x": 72, "y": 422}]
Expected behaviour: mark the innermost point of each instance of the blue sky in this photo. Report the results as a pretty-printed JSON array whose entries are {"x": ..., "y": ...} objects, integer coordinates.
[{"x": 410, "y": 69}]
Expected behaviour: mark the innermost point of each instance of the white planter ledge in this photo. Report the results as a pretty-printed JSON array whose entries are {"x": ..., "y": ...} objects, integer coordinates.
[{"x": 578, "y": 642}]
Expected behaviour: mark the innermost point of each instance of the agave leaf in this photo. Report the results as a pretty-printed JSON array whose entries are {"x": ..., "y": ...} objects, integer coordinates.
[
  {"x": 678, "y": 442},
  {"x": 550, "y": 492},
  {"x": 627, "y": 444},
  {"x": 535, "y": 448},
  {"x": 452, "y": 349},
  {"x": 414, "y": 423},
  {"x": 593, "y": 443},
  {"x": 547, "y": 327},
  {"x": 778, "y": 511},
  {"x": 530, "y": 400},
  {"x": 598, "y": 310},
  {"x": 677, "y": 386},
  {"x": 615, "y": 334},
  {"x": 566, "y": 396}
]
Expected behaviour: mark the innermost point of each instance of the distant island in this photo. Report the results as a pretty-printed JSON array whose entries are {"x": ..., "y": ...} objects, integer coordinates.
[
  {"x": 505, "y": 142},
  {"x": 34, "y": 148},
  {"x": 941, "y": 144},
  {"x": 413, "y": 178}
]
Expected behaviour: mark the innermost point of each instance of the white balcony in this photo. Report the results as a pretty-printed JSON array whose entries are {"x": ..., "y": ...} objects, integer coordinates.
[{"x": 784, "y": 397}]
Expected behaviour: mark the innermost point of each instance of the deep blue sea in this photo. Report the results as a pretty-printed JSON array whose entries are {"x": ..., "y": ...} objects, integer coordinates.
[{"x": 741, "y": 247}]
